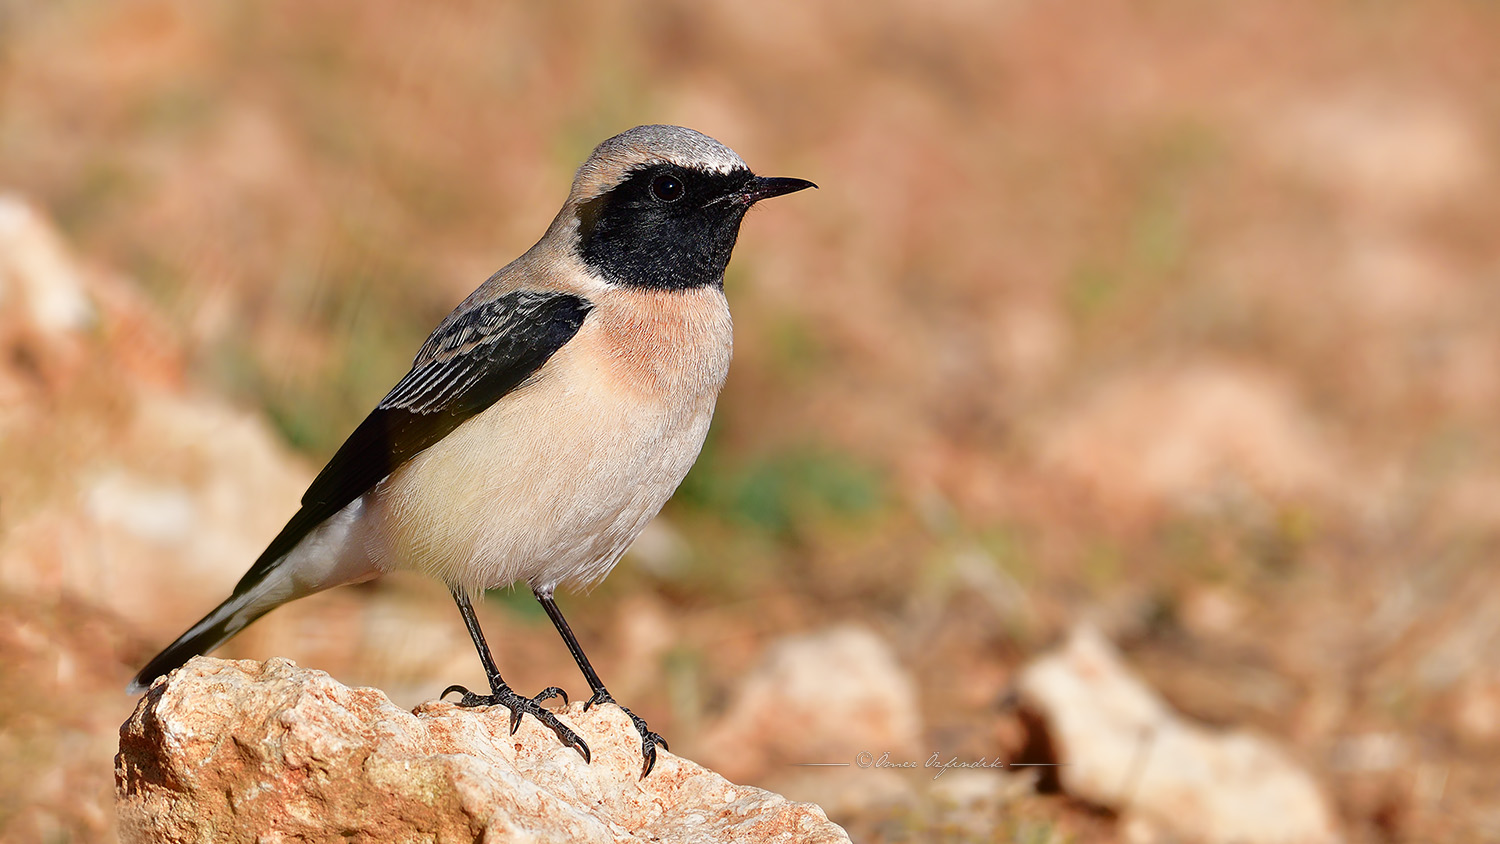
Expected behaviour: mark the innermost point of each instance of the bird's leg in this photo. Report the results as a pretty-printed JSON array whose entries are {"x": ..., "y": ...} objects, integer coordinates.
[
  {"x": 501, "y": 693},
  {"x": 649, "y": 740}
]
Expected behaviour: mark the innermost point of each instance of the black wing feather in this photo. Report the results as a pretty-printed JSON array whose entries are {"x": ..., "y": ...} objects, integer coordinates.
[{"x": 468, "y": 364}]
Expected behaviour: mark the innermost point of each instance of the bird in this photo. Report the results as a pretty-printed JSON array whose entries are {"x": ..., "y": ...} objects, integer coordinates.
[{"x": 544, "y": 422}]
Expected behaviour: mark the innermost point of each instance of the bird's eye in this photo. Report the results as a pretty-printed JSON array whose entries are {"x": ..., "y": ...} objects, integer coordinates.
[{"x": 667, "y": 188}]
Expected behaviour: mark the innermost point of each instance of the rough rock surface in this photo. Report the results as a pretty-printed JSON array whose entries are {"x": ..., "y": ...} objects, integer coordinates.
[
  {"x": 1121, "y": 746},
  {"x": 245, "y": 751}
]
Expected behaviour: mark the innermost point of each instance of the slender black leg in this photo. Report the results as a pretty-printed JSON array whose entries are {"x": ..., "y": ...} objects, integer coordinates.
[
  {"x": 501, "y": 692},
  {"x": 649, "y": 740}
]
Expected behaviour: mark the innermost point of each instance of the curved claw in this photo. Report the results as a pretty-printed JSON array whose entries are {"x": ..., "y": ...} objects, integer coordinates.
[
  {"x": 565, "y": 735},
  {"x": 649, "y": 740},
  {"x": 551, "y": 692},
  {"x": 505, "y": 696},
  {"x": 469, "y": 699}
]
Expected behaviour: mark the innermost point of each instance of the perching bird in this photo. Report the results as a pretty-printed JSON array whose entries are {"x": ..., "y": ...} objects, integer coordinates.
[{"x": 545, "y": 421}]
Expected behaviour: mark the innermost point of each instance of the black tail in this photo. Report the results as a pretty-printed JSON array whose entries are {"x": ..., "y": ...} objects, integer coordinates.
[{"x": 211, "y": 631}]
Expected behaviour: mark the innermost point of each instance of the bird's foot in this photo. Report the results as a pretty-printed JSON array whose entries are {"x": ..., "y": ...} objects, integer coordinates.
[
  {"x": 649, "y": 740},
  {"x": 504, "y": 695}
]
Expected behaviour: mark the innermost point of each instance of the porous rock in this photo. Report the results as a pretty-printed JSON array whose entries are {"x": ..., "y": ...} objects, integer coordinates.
[{"x": 248, "y": 751}]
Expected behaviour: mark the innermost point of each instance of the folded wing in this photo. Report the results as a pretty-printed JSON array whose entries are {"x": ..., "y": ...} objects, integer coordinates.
[{"x": 469, "y": 363}]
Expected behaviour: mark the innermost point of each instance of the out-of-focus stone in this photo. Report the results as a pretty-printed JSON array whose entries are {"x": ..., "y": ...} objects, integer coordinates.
[
  {"x": 1178, "y": 436},
  {"x": 842, "y": 688},
  {"x": 1372, "y": 752},
  {"x": 1476, "y": 710},
  {"x": 36, "y": 270},
  {"x": 1121, "y": 746},
  {"x": 124, "y": 488},
  {"x": 1212, "y": 611},
  {"x": 61, "y": 700},
  {"x": 1384, "y": 153},
  {"x": 245, "y": 751}
]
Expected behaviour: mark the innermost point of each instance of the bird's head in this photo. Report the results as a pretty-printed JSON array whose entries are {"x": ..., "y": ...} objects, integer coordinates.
[{"x": 659, "y": 207}]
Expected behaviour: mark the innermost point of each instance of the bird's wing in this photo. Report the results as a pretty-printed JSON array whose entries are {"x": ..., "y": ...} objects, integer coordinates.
[{"x": 468, "y": 364}]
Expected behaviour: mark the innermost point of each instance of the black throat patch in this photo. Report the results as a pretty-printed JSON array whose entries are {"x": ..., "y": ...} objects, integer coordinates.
[{"x": 637, "y": 234}]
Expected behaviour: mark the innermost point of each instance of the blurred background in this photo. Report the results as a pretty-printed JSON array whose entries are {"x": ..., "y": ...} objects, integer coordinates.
[{"x": 1176, "y": 320}]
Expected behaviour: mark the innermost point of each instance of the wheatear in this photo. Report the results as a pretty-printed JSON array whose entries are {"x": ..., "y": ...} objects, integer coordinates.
[{"x": 545, "y": 421}]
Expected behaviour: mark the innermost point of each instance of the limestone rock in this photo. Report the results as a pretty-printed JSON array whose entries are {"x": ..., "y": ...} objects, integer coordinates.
[
  {"x": 245, "y": 751},
  {"x": 1121, "y": 746}
]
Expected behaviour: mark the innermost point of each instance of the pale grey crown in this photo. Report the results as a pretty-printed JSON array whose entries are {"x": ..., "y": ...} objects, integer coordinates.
[{"x": 647, "y": 145}]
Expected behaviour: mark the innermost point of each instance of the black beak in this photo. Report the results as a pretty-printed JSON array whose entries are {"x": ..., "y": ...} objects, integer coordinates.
[{"x": 761, "y": 187}]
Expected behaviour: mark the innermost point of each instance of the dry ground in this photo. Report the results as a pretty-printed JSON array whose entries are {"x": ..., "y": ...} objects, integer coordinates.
[{"x": 1176, "y": 316}]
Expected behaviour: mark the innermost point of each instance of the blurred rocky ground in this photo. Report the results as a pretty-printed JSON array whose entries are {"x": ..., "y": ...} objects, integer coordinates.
[{"x": 1174, "y": 320}]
